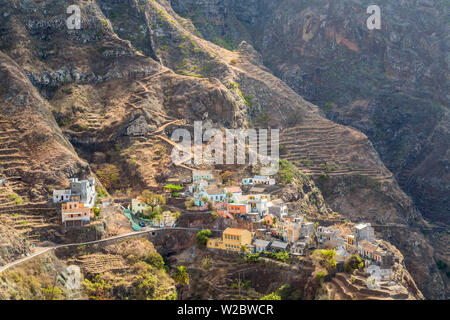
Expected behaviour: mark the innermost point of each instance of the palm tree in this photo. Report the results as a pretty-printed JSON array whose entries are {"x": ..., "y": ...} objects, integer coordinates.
[{"x": 181, "y": 277}]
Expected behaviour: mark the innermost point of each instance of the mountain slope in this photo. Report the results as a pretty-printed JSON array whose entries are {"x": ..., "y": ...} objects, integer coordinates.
[{"x": 134, "y": 62}]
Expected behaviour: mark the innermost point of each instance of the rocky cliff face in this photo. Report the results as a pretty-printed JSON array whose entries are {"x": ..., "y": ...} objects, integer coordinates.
[
  {"x": 134, "y": 60},
  {"x": 392, "y": 83}
]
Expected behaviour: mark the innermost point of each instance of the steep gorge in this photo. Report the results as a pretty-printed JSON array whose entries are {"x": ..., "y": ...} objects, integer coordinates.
[{"x": 135, "y": 58}]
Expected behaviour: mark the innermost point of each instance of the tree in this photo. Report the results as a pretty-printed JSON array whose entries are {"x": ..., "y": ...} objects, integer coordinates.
[
  {"x": 109, "y": 176},
  {"x": 205, "y": 199},
  {"x": 155, "y": 260},
  {"x": 181, "y": 277},
  {"x": 226, "y": 176},
  {"x": 152, "y": 199},
  {"x": 326, "y": 258},
  {"x": 154, "y": 203},
  {"x": 97, "y": 289},
  {"x": 173, "y": 188},
  {"x": 96, "y": 212},
  {"x": 202, "y": 236},
  {"x": 353, "y": 262}
]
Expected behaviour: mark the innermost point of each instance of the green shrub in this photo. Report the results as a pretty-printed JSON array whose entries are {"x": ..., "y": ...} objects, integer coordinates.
[
  {"x": 271, "y": 296},
  {"x": 202, "y": 236},
  {"x": 252, "y": 257},
  {"x": 320, "y": 276},
  {"x": 353, "y": 262},
  {"x": 16, "y": 198},
  {"x": 96, "y": 212},
  {"x": 155, "y": 260}
]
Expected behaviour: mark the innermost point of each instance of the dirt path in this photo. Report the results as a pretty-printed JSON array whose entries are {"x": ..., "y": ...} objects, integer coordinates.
[{"x": 131, "y": 234}]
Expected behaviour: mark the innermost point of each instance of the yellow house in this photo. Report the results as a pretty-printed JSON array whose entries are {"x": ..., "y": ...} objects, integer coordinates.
[{"x": 232, "y": 239}]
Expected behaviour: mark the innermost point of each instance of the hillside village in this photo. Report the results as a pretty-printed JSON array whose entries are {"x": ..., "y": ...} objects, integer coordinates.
[
  {"x": 272, "y": 231},
  {"x": 257, "y": 225}
]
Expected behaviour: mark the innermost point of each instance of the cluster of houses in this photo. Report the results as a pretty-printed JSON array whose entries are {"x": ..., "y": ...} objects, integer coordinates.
[
  {"x": 77, "y": 202},
  {"x": 281, "y": 230},
  {"x": 229, "y": 201},
  {"x": 297, "y": 239},
  {"x": 235, "y": 240},
  {"x": 362, "y": 242}
]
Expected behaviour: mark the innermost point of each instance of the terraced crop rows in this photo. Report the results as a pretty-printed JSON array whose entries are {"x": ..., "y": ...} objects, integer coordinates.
[
  {"x": 100, "y": 263},
  {"x": 322, "y": 149},
  {"x": 35, "y": 220}
]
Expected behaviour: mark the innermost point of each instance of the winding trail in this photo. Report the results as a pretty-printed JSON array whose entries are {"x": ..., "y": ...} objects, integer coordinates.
[{"x": 126, "y": 235}]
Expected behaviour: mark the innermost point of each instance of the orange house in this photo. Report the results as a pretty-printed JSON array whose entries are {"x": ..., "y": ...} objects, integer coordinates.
[
  {"x": 224, "y": 214},
  {"x": 234, "y": 208},
  {"x": 75, "y": 211}
]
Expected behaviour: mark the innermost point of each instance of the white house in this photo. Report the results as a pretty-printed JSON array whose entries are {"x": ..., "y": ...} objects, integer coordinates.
[
  {"x": 363, "y": 231},
  {"x": 259, "y": 203},
  {"x": 327, "y": 234},
  {"x": 263, "y": 180},
  {"x": 199, "y": 185},
  {"x": 138, "y": 205},
  {"x": 61, "y": 195},
  {"x": 258, "y": 180},
  {"x": 82, "y": 191},
  {"x": 278, "y": 208},
  {"x": 298, "y": 248}
]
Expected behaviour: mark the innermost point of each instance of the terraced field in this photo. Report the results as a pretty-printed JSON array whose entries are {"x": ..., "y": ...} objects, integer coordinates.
[
  {"x": 328, "y": 148},
  {"x": 36, "y": 220},
  {"x": 341, "y": 287}
]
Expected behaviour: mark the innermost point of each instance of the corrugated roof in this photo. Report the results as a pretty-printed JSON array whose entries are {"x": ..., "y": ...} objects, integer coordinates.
[
  {"x": 213, "y": 190},
  {"x": 233, "y": 189},
  {"x": 201, "y": 172},
  {"x": 261, "y": 243},
  {"x": 367, "y": 245},
  {"x": 235, "y": 231},
  {"x": 279, "y": 244}
]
